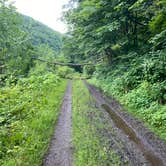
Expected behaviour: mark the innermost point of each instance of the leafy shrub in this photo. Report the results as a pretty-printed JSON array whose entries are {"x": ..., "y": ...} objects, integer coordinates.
[
  {"x": 139, "y": 97},
  {"x": 88, "y": 70},
  {"x": 28, "y": 111},
  {"x": 65, "y": 72},
  {"x": 158, "y": 41},
  {"x": 154, "y": 67}
]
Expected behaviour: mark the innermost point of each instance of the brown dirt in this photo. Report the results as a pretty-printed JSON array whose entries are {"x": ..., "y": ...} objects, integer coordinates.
[
  {"x": 130, "y": 138},
  {"x": 60, "y": 151}
]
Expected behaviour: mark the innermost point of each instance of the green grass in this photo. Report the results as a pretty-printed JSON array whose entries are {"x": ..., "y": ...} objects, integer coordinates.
[
  {"x": 90, "y": 148},
  {"x": 28, "y": 113}
]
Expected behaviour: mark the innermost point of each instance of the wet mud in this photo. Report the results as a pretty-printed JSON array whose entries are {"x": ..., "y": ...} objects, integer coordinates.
[
  {"x": 149, "y": 155},
  {"x": 138, "y": 144}
]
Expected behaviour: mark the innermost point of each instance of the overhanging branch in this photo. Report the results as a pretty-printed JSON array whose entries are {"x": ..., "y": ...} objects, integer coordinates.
[{"x": 64, "y": 64}]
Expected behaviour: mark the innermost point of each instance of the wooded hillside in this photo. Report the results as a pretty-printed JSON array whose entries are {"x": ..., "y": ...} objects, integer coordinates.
[
  {"x": 42, "y": 34},
  {"x": 21, "y": 39}
]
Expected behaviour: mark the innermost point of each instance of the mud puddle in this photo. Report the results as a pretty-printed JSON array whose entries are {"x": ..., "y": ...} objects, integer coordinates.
[{"x": 120, "y": 123}]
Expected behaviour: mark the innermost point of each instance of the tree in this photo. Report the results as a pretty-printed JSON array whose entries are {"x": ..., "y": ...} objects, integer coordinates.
[{"x": 15, "y": 48}]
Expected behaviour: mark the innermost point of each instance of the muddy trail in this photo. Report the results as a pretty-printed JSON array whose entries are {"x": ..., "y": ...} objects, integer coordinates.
[
  {"x": 138, "y": 145},
  {"x": 59, "y": 153},
  {"x": 131, "y": 140}
]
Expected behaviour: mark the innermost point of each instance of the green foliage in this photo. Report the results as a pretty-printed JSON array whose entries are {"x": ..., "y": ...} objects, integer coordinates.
[
  {"x": 88, "y": 70},
  {"x": 15, "y": 49},
  {"x": 158, "y": 23},
  {"x": 116, "y": 29},
  {"x": 137, "y": 99},
  {"x": 116, "y": 47},
  {"x": 102, "y": 27},
  {"x": 17, "y": 34},
  {"x": 159, "y": 41},
  {"x": 65, "y": 72},
  {"x": 27, "y": 116}
]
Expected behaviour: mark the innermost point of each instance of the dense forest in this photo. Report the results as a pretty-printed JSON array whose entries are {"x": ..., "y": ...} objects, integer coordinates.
[
  {"x": 123, "y": 43},
  {"x": 129, "y": 38}
]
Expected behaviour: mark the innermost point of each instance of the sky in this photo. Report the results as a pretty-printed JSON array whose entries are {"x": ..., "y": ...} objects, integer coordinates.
[{"x": 45, "y": 11}]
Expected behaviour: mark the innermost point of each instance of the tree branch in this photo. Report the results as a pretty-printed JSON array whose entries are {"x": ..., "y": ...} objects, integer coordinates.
[
  {"x": 133, "y": 19},
  {"x": 64, "y": 64}
]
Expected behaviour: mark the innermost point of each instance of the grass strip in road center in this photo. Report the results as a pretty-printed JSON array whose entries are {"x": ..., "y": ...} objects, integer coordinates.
[{"x": 89, "y": 147}]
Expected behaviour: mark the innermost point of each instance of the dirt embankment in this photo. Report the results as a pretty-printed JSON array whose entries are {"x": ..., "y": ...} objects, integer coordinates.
[{"x": 60, "y": 153}]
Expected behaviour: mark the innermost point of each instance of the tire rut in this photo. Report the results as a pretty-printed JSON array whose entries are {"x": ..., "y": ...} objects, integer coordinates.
[
  {"x": 134, "y": 145},
  {"x": 60, "y": 151},
  {"x": 127, "y": 136}
]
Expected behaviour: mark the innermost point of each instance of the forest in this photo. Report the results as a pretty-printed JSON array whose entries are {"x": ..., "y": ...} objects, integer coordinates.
[
  {"x": 130, "y": 37},
  {"x": 114, "y": 54}
]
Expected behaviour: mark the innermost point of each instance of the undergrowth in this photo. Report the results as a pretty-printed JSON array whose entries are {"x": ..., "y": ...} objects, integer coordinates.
[
  {"x": 28, "y": 112},
  {"x": 90, "y": 148}
]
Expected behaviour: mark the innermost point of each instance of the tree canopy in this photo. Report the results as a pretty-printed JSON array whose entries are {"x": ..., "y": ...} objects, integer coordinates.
[{"x": 114, "y": 27}]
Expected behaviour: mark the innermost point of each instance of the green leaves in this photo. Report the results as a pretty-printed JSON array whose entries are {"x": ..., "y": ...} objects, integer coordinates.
[
  {"x": 108, "y": 28},
  {"x": 28, "y": 112},
  {"x": 17, "y": 34},
  {"x": 14, "y": 50},
  {"x": 137, "y": 4},
  {"x": 159, "y": 41},
  {"x": 158, "y": 22}
]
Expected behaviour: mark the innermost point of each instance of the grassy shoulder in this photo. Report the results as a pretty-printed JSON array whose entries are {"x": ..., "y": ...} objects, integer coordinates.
[
  {"x": 139, "y": 102},
  {"x": 28, "y": 112},
  {"x": 90, "y": 148}
]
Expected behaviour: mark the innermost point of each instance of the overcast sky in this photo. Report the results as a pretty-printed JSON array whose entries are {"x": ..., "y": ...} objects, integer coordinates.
[{"x": 45, "y": 11}]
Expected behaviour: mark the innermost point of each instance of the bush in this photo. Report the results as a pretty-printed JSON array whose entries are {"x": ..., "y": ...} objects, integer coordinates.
[
  {"x": 88, "y": 70},
  {"x": 28, "y": 112},
  {"x": 139, "y": 97},
  {"x": 65, "y": 72}
]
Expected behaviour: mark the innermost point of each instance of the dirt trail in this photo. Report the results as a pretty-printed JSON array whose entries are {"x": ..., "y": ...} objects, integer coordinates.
[
  {"x": 130, "y": 139},
  {"x": 139, "y": 145},
  {"x": 60, "y": 153}
]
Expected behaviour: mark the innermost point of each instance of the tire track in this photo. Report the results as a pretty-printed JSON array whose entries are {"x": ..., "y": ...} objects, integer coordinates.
[
  {"x": 139, "y": 151},
  {"x": 60, "y": 152}
]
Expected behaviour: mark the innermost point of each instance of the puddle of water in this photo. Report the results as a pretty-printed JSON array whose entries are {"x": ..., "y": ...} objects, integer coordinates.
[{"x": 121, "y": 124}]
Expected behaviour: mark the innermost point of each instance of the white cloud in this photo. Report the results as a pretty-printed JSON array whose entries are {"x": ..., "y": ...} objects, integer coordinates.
[{"x": 45, "y": 11}]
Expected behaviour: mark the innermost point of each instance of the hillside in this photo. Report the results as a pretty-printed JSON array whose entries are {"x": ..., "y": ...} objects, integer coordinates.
[{"x": 42, "y": 34}]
